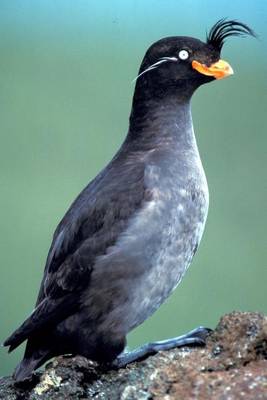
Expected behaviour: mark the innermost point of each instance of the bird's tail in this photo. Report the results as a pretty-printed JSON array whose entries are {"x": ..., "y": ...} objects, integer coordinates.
[
  {"x": 33, "y": 358},
  {"x": 25, "y": 369}
]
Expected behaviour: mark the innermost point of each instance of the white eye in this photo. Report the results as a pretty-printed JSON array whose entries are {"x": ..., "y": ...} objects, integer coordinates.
[{"x": 183, "y": 54}]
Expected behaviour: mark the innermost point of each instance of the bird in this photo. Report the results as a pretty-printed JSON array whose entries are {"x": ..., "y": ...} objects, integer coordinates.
[{"x": 127, "y": 240}]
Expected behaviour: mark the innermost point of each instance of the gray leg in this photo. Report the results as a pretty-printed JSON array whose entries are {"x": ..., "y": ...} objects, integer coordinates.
[{"x": 194, "y": 337}]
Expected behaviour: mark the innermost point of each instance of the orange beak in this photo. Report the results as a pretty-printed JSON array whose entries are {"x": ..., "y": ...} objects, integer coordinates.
[{"x": 221, "y": 69}]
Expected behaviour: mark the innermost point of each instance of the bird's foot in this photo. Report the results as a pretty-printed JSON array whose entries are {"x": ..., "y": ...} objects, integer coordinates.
[{"x": 195, "y": 337}]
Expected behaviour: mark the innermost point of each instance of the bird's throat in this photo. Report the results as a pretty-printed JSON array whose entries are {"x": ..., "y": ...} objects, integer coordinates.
[{"x": 157, "y": 120}]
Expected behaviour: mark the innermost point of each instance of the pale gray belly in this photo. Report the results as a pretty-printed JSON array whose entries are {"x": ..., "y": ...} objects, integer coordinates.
[
  {"x": 152, "y": 255},
  {"x": 171, "y": 253}
]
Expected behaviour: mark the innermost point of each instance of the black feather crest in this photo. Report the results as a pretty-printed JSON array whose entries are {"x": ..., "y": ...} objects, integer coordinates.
[{"x": 225, "y": 28}]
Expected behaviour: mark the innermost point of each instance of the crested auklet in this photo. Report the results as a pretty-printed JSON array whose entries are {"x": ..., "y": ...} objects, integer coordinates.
[{"x": 127, "y": 240}]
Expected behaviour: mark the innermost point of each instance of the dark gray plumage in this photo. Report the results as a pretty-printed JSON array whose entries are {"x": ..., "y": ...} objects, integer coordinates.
[{"x": 127, "y": 240}]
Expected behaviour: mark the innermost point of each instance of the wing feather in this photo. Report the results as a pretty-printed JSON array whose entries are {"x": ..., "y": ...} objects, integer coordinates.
[{"x": 91, "y": 225}]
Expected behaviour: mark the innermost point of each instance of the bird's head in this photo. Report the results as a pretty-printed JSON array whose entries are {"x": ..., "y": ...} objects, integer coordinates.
[{"x": 188, "y": 62}]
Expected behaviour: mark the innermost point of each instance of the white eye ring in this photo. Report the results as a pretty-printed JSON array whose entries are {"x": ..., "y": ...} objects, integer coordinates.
[{"x": 183, "y": 54}]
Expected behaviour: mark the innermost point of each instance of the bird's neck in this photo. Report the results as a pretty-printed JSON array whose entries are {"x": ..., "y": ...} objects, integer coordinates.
[{"x": 161, "y": 119}]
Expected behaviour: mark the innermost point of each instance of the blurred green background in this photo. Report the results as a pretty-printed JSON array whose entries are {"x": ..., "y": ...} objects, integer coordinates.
[{"x": 65, "y": 95}]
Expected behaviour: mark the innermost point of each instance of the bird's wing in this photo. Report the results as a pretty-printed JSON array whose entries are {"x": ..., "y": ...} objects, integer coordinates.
[{"x": 91, "y": 225}]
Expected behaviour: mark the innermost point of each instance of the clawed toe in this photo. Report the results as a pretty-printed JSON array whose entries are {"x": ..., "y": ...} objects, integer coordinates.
[{"x": 200, "y": 332}]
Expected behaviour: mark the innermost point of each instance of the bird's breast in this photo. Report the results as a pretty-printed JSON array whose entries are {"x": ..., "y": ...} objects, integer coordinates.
[
  {"x": 153, "y": 253},
  {"x": 174, "y": 220}
]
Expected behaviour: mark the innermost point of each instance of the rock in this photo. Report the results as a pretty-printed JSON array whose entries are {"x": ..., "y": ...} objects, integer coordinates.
[{"x": 232, "y": 365}]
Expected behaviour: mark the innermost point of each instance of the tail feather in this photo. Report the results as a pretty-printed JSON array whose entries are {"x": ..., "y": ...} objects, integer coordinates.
[
  {"x": 24, "y": 369},
  {"x": 36, "y": 354},
  {"x": 27, "y": 366}
]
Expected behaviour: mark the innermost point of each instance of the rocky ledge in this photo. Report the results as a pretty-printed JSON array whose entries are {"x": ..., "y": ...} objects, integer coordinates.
[{"x": 232, "y": 365}]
